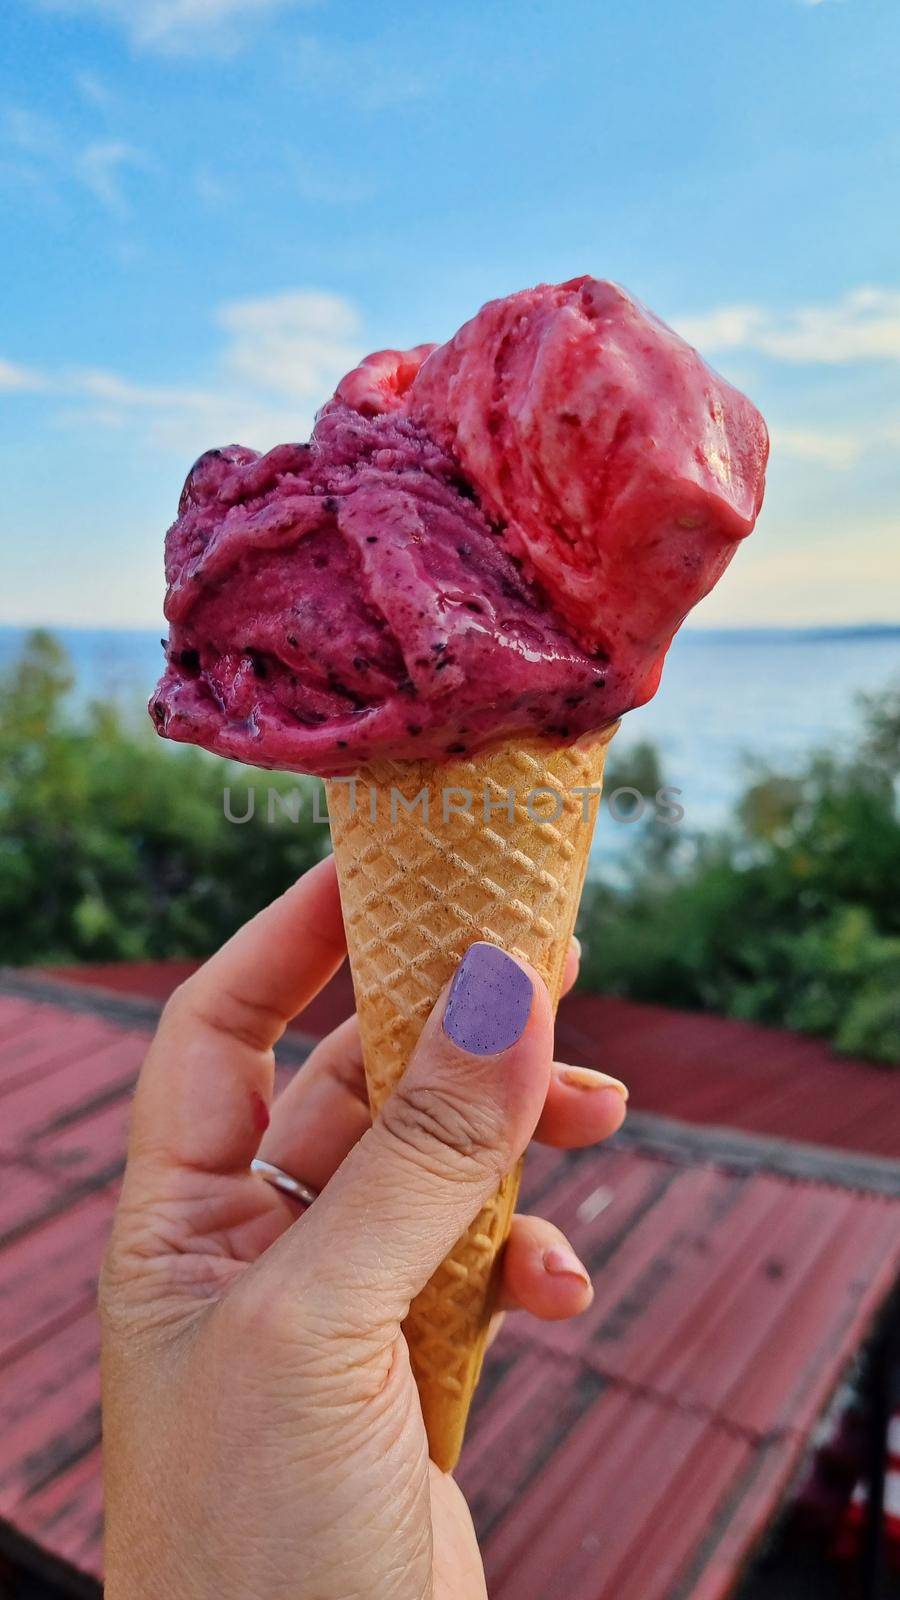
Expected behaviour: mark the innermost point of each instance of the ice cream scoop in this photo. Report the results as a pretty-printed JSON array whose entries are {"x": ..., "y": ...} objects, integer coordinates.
[{"x": 493, "y": 538}]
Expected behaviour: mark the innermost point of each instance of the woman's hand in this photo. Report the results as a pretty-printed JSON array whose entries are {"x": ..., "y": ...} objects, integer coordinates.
[{"x": 263, "y": 1437}]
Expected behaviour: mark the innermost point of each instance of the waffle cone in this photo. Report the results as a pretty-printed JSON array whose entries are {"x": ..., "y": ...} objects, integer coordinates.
[{"x": 416, "y": 891}]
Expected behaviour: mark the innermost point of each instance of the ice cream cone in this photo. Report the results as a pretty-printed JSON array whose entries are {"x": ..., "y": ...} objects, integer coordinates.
[{"x": 418, "y": 886}]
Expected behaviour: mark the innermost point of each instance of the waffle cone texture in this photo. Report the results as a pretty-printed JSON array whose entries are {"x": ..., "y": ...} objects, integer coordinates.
[{"x": 418, "y": 886}]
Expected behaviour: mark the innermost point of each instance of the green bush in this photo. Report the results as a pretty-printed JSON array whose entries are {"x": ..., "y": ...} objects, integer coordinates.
[
  {"x": 114, "y": 846},
  {"x": 791, "y": 918}
]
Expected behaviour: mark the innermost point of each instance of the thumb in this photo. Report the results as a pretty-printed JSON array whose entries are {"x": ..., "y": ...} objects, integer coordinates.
[{"x": 457, "y": 1122}]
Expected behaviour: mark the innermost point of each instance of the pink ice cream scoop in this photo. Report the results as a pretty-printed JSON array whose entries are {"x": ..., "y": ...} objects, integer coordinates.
[{"x": 492, "y": 538}]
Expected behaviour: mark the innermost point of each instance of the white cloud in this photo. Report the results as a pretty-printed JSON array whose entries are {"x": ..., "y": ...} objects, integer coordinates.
[
  {"x": 101, "y": 168},
  {"x": 864, "y": 325},
  {"x": 726, "y": 328},
  {"x": 210, "y": 189},
  {"x": 30, "y": 134},
  {"x": 366, "y": 73},
  {"x": 790, "y": 575},
  {"x": 294, "y": 344},
  {"x": 50, "y": 162},
  {"x": 175, "y": 26},
  {"x": 108, "y": 386},
  {"x": 820, "y": 447},
  {"x": 838, "y": 448},
  {"x": 92, "y": 88},
  {"x": 282, "y": 357},
  {"x": 16, "y": 379}
]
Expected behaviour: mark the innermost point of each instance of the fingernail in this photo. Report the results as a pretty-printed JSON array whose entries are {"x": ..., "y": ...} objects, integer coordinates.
[
  {"x": 489, "y": 1002},
  {"x": 588, "y": 1078},
  {"x": 259, "y": 1112},
  {"x": 562, "y": 1263},
  {"x": 577, "y": 944}
]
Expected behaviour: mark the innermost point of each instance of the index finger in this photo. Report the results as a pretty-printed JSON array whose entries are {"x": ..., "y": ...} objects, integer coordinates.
[
  {"x": 205, "y": 1087},
  {"x": 273, "y": 966}
]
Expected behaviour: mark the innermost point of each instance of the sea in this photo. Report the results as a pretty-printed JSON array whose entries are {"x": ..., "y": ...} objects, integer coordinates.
[{"x": 729, "y": 700}]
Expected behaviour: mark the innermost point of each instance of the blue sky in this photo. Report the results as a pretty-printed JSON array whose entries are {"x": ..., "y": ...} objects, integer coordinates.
[{"x": 212, "y": 207}]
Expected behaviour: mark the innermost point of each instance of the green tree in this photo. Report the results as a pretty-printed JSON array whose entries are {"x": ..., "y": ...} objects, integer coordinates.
[
  {"x": 791, "y": 917},
  {"x": 115, "y": 846}
]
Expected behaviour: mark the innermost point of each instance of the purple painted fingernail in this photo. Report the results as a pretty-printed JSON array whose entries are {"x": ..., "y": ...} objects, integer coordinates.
[{"x": 489, "y": 1002}]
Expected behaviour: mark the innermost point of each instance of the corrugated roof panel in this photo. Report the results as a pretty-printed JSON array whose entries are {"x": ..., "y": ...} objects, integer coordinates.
[
  {"x": 25, "y": 1195},
  {"x": 706, "y": 1281},
  {"x": 829, "y": 1311},
  {"x": 48, "y": 1276},
  {"x": 527, "y": 1406},
  {"x": 717, "y": 1290},
  {"x": 46, "y": 1048},
  {"x": 17, "y": 1015},
  {"x": 89, "y": 1149},
  {"x": 49, "y": 1409},
  {"x": 83, "y": 1074},
  {"x": 632, "y": 1480},
  {"x": 715, "y": 1569},
  {"x": 713, "y": 1070},
  {"x": 65, "y": 1517},
  {"x": 637, "y": 1231}
]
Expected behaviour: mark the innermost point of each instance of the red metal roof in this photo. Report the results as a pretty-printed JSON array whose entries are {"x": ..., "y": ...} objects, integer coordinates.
[
  {"x": 715, "y": 1070},
  {"x": 633, "y": 1455},
  {"x": 637, "y": 1453},
  {"x": 703, "y": 1069}
]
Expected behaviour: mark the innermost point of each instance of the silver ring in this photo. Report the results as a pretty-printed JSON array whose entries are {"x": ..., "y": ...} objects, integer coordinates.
[{"x": 284, "y": 1182}]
